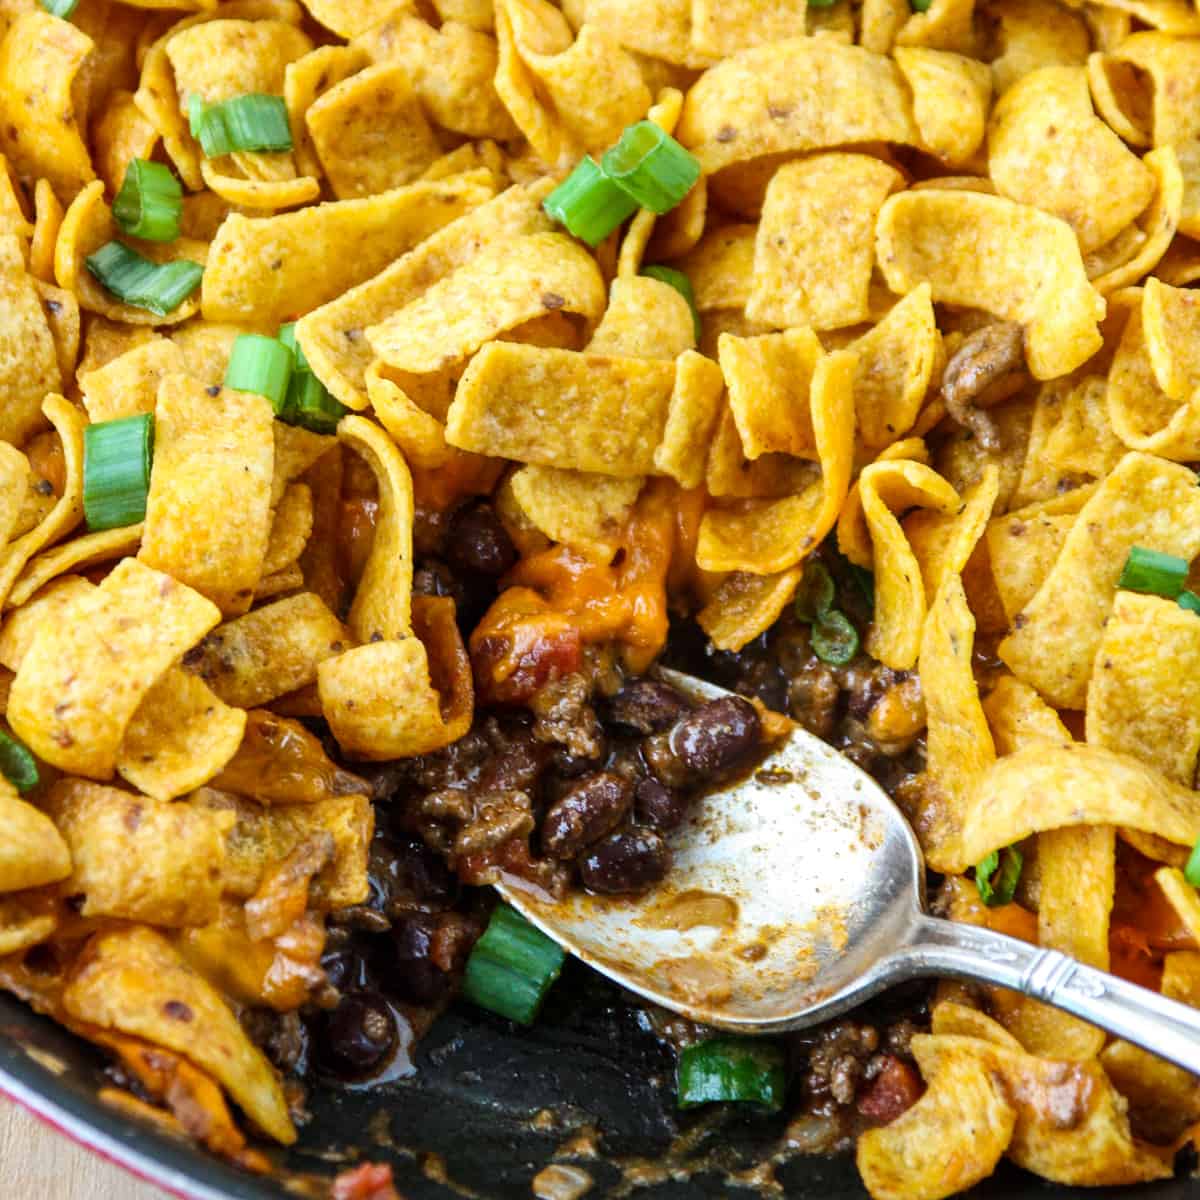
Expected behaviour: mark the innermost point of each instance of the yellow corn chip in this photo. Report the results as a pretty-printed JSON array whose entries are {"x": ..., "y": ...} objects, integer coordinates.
[
  {"x": 815, "y": 246},
  {"x": 45, "y": 232},
  {"x": 370, "y": 133},
  {"x": 945, "y": 25},
  {"x": 304, "y": 81},
  {"x": 951, "y": 1139},
  {"x": 766, "y": 537},
  {"x": 1163, "y": 1098},
  {"x": 794, "y": 95},
  {"x": 1144, "y": 502},
  {"x": 1017, "y": 717},
  {"x": 942, "y": 542},
  {"x": 26, "y": 920},
  {"x": 1024, "y": 545},
  {"x": 87, "y": 226},
  {"x": 76, "y": 690},
  {"x": 121, "y": 133},
  {"x": 206, "y": 348},
  {"x": 62, "y": 316},
  {"x": 32, "y": 851},
  {"x": 332, "y": 336},
  {"x": 576, "y": 508},
  {"x": 951, "y": 97},
  {"x": 501, "y": 288},
  {"x": 268, "y": 269},
  {"x": 1009, "y": 259},
  {"x": 15, "y": 480},
  {"x": 12, "y": 211},
  {"x": 1142, "y": 698},
  {"x": 179, "y": 738},
  {"x": 291, "y": 527},
  {"x": 720, "y": 267},
  {"x": 420, "y": 436},
  {"x": 348, "y": 18},
  {"x": 28, "y": 360},
  {"x": 382, "y": 605},
  {"x": 85, "y": 551},
  {"x": 770, "y": 390},
  {"x": 137, "y": 859},
  {"x": 1171, "y": 66},
  {"x": 728, "y": 472},
  {"x": 691, "y": 417},
  {"x": 134, "y": 981},
  {"x": 269, "y": 652},
  {"x": 1045, "y": 119},
  {"x": 745, "y": 606},
  {"x": 212, "y": 454},
  {"x": 40, "y": 58},
  {"x": 591, "y": 412},
  {"x": 645, "y": 318},
  {"x": 129, "y": 384},
  {"x": 47, "y": 605},
  {"x": 217, "y": 59}
]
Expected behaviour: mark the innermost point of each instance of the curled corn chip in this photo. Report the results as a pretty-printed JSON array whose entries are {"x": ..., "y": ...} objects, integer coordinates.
[
  {"x": 137, "y": 859},
  {"x": 645, "y": 318},
  {"x": 764, "y": 537},
  {"x": 501, "y": 288},
  {"x": 28, "y": 362},
  {"x": 122, "y": 133},
  {"x": 40, "y": 59},
  {"x": 32, "y": 851},
  {"x": 129, "y": 383},
  {"x": 1171, "y": 68},
  {"x": 576, "y": 508},
  {"x": 691, "y": 417},
  {"x": 815, "y": 246},
  {"x": 965, "y": 244},
  {"x": 212, "y": 453},
  {"x": 745, "y": 606},
  {"x": 1045, "y": 117},
  {"x": 134, "y": 981},
  {"x": 1053, "y": 644},
  {"x": 951, "y": 95},
  {"x": 269, "y": 269},
  {"x": 720, "y": 266},
  {"x": 85, "y": 551},
  {"x": 291, "y": 526},
  {"x": 75, "y": 694}
]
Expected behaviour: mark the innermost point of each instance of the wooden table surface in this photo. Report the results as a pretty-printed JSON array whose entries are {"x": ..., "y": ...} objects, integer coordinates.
[{"x": 38, "y": 1164}]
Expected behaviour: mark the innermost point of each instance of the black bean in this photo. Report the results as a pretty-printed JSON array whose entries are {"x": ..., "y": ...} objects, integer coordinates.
[
  {"x": 357, "y": 1035},
  {"x": 406, "y": 871},
  {"x": 478, "y": 542},
  {"x": 662, "y": 760},
  {"x": 432, "y": 577},
  {"x": 625, "y": 862},
  {"x": 589, "y": 810},
  {"x": 659, "y": 806},
  {"x": 717, "y": 736},
  {"x": 343, "y": 968},
  {"x": 404, "y": 962},
  {"x": 647, "y": 706}
]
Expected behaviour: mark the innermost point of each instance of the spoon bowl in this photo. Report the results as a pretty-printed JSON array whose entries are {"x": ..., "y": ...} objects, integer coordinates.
[{"x": 797, "y": 894}]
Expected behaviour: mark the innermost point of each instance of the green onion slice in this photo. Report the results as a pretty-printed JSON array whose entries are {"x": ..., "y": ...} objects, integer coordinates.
[
  {"x": 834, "y": 638},
  {"x": 261, "y": 365},
  {"x": 920, "y": 5},
  {"x": 150, "y": 202},
  {"x": 60, "y": 8},
  {"x": 255, "y": 123},
  {"x": 157, "y": 287},
  {"x": 512, "y": 967},
  {"x": 683, "y": 285},
  {"x": 1189, "y": 600},
  {"x": 996, "y": 876},
  {"x": 1191, "y": 872},
  {"x": 17, "y": 764},
  {"x": 116, "y": 471},
  {"x": 814, "y": 596},
  {"x": 588, "y": 203},
  {"x": 309, "y": 404},
  {"x": 651, "y": 166},
  {"x": 1153, "y": 571},
  {"x": 287, "y": 335},
  {"x": 745, "y": 1070}
]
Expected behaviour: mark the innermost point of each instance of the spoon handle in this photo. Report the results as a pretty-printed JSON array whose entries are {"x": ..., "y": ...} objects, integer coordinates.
[{"x": 1164, "y": 1027}]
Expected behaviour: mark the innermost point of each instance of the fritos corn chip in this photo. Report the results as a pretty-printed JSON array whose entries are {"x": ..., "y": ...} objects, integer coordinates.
[{"x": 32, "y": 851}]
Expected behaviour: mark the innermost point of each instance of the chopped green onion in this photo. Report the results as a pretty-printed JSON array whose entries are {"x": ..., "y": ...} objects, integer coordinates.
[
  {"x": 512, "y": 967},
  {"x": 1189, "y": 600},
  {"x": 588, "y": 203},
  {"x": 814, "y": 596},
  {"x": 1191, "y": 872},
  {"x": 920, "y": 5},
  {"x": 651, "y": 166},
  {"x": 150, "y": 202},
  {"x": 157, "y": 287},
  {"x": 287, "y": 335},
  {"x": 866, "y": 583},
  {"x": 834, "y": 638},
  {"x": 116, "y": 471},
  {"x": 254, "y": 122},
  {"x": 17, "y": 764},
  {"x": 821, "y": 3},
  {"x": 261, "y": 365},
  {"x": 682, "y": 284},
  {"x": 731, "y": 1069},
  {"x": 309, "y": 404},
  {"x": 60, "y": 8},
  {"x": 996, "y": 876},
  {"x": 1153, "y": 571}
]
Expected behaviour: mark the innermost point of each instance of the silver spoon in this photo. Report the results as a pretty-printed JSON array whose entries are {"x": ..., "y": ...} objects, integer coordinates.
[{"x": 797, "y": 895}]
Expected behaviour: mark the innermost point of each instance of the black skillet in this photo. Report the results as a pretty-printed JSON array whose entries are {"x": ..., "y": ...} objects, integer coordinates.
[{"x": 467, "y": 1122}]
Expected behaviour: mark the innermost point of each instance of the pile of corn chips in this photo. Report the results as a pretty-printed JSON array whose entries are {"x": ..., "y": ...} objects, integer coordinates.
[{"x": 940, "y": 258}]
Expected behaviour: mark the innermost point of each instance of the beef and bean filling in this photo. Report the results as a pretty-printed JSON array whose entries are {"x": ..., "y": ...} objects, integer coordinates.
[{"x": 581, "y": 785}]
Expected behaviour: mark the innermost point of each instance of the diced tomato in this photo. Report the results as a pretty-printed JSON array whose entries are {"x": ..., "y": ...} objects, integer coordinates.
[
  {"x": 520, "y": 646},
  {"x": 892, "y": 1092},
  {"x": 367, "y": 1182}
]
